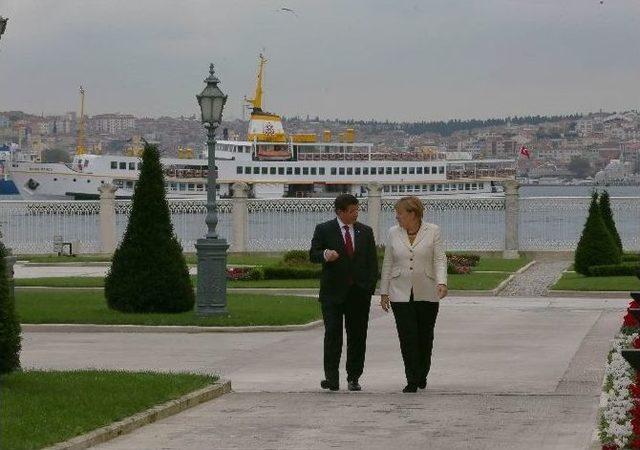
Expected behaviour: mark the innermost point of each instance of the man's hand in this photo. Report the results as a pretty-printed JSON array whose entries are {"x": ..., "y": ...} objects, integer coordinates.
[
  {"x": 442, "y": 291},
  {"x": 385, "y": 303},
  {"x": 331, "y": 255}
]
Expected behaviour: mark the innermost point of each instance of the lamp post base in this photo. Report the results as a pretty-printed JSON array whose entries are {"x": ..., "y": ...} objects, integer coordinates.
[{"x": 211, "y": 296}]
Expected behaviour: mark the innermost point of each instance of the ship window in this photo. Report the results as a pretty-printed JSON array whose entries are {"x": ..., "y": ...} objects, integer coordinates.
[
  {"x": 349, "y": 170},
  {"x": 296, "y": 170},
  {"x": 313, "y": 171},
  {"x": 432, "y": 187},
  {"x": 438, "y": 187},
  {"x": 74, "y": 180},
  {"x": 256, "y": 170},
  {"x": 320, "y": 170},
  {"x": 239, "y": 170},
  {"x": 55, "y": 179},
  {"x": 182, "y": 186},
  {"x": 200, "y": 187},
  {"x": 334, "y": 171},
  {"x": 357, "y": 170},
  {"x": 404, "y": 171},
  {"x": 386, "y": 188},
  {"x": 460, "y": 187},
  {"x": 192, "y": 186},
  {"x": 340, "y": 170},
  {"x": 101, "y": 181},
  {"x": 123, "y": 165},
  {"x": 373, "y": 171},
  {"x": 441, "y": 169},
  {"x": 272, "y": 170},
  {"x": 388, "y": 171},
  {"x": 365, "y": 171},
  {"x": 132, "y": 166},
  {"x": 474, "y": 185},
  {"x": 265, "y": 170},
  {"x": 173, "y": 187},
  {"x": 481, "y": 185},
  {"x": 402, "y": 188},
  {"x": 247, "y": 170},
  {"x": 289, "y": 170},
  {"x": 280, "y": 170},
  {"x": 412, "y": 170},
  {"x": 394, "y": 188},
  {"x": 426, "y": 170},
  {"x": 396, "y": 170},
  {"x": 416, "y": 187},
  {"x": 129, "y": 184},
  {"x": 447, "y": 187},
  {"x": 88, "y": 181},
  {"x": 419, "y": 170},
  {"x": 114, "y": 164},
  {"x": 467, "y": 187},
  {"x": 305, "y": 171}
]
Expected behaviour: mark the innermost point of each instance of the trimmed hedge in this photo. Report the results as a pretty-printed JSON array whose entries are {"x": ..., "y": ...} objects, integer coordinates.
[
  {"x": 612, "y": 270},
  {"x": 629, "y": 257},
  {"x": 9, "y": 324},
  {"x": 296, "y": 257}
]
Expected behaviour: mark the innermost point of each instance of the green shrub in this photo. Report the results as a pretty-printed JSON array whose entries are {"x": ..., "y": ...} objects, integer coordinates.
[
  {"x": 9, "y": 323},
  {"x": 613, "y": 270},
  {"x": 464, "y": 259},
  {"x": 607, "y": 217},
  {"x": 148, "y": 271},
  {"x": 294, "y": 257},
  {"x": 596, "y": 246},
  {"x": 255, "y": 273},
  {"x": 629, "y": 257},
  {"x": 282, "y": 272}
]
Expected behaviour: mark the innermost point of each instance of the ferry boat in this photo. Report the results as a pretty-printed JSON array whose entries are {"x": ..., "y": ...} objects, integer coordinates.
[{"x": 274, "y": 165}]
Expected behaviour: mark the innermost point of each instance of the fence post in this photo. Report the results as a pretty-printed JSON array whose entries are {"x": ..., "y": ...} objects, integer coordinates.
[
  {"x": 239, "y": 216},
  {"x": 374, "y": 205},
  {"x": 511, "y": 218},
  {"x": 108, "y": 238}
]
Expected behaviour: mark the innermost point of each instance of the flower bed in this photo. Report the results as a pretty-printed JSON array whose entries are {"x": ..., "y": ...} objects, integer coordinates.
[{"x": 620, "y": 406}]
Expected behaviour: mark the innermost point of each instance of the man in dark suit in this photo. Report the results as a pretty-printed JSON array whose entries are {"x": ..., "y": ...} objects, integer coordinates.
[{"x": 347, "y": 251}]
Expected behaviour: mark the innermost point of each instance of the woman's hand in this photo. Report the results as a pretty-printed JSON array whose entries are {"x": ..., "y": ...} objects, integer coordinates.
[
  {"x": 442, "y": 291},
  {"x": 385, "y": 303}
]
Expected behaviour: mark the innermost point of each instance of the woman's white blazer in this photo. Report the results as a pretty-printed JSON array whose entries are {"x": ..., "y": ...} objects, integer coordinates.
[{"x": 420, "y": 266}]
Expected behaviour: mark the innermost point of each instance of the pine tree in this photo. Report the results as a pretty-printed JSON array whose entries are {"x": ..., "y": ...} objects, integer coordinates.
[
  {"x": 607, "y": 216},
  {"x": 148, "y": 271},
  {"x": 596, "y": 246},
  {"x": 9, "y": 323}
]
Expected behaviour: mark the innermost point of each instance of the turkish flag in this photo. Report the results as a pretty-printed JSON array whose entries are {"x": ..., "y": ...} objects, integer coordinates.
[{"x": 524, "y": 151}]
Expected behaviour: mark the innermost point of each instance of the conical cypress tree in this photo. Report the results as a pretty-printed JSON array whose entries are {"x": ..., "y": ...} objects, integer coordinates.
[
  {"x": 9, "y": 324},
  {"x": 148, "y": 270},
  {"x": 607, "y": 216},
  {"x": 596, "y": 246}
]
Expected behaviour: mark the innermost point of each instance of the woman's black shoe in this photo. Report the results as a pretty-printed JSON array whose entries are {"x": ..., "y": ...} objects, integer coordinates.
[
  {"x": 422, "y": 384},
  {"x": 410, "y": 388}
]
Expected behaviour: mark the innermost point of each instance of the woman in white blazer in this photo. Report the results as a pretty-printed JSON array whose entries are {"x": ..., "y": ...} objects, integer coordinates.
[{"x": 414, "y": 279}]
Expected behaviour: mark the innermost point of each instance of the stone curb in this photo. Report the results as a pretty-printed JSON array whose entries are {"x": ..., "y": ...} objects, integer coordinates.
[
  {"x": 588, "y": 294},
  {"x": 97, "y": 328},
  {"x": 504, "y": 284},
  {"x": 136, "y": 421}
]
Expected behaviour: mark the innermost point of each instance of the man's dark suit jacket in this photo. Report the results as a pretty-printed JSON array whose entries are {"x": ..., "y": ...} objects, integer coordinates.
[{"x": 338, "y": 276}]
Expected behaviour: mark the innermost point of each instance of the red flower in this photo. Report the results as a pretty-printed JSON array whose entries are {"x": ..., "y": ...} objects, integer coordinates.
[
  {"x": 629, "y": 321},
  {"x": 634, "y": 304}
]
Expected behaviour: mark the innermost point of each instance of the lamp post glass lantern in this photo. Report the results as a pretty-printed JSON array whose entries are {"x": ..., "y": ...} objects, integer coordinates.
[{"x": 211, "y": 297}]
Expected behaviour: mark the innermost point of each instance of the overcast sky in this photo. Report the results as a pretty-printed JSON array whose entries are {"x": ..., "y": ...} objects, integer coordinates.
[{"x": 381, "y": 59}]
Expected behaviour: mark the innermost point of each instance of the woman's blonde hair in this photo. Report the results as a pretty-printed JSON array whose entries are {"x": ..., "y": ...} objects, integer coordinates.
[{"x": 411, "y": 204}]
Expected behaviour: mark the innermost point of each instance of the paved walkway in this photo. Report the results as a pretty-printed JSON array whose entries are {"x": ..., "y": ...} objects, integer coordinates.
[
  {"x": 536, "y": 280},
  {"x": 508, "y": 373}
]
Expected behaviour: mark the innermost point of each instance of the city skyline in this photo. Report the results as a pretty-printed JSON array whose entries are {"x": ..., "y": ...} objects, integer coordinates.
[{"x": 435, "y": 61}]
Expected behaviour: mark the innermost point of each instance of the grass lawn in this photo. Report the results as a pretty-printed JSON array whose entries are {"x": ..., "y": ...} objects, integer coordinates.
[
  {"x": 40, "y": 408},
  {"x": 257, "y": 258},
  {"x": 505, "y": 265},
  {"x": 476, "y": 281},
  {"x": 79, "y": 282},
  {"x": 576, "y": 282},
  {"x": 89, "y": 306}
]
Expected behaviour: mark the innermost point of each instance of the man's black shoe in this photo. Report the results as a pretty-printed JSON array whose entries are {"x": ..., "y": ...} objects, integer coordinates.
[
  {"x": 354, "y": 386},
  {"x": 326, "y": 384}
]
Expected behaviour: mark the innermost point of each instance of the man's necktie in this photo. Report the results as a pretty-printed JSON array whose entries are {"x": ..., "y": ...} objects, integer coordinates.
[{"x": 348, "y": 243}]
